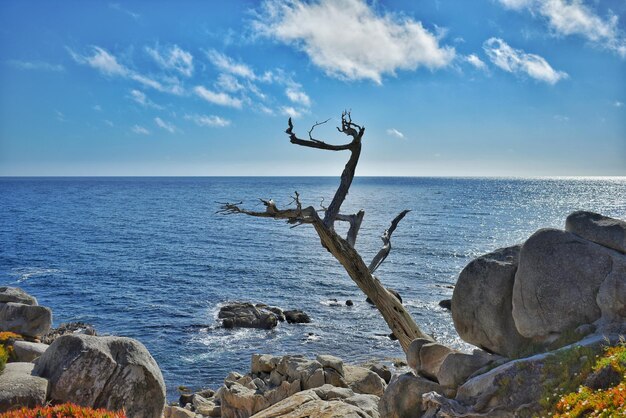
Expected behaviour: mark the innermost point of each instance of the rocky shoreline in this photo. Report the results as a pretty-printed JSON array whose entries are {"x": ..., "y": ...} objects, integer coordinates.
[{"x": 538, "y": 313}]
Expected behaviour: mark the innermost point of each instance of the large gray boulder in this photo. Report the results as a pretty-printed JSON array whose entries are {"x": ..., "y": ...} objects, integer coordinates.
[
  {"x": 104, "y": 372},
  {"x": 28, "y": 320},
  {"x": 600, "y": 229},
  {"x": 17, "y": 295},
  {"x": 364, "y": 381},
  {"x": 556, "y": 283},
  {"x": 27, "y": 351},
  {"x": 19, "y": 388},
  {"x": 482, "y": 303},
  {"x": 403, "y": 397},
  {"x": 519, "y": 387}
]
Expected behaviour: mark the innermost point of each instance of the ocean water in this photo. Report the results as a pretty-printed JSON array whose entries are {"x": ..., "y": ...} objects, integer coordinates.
[{"x": 149, "y": 258}]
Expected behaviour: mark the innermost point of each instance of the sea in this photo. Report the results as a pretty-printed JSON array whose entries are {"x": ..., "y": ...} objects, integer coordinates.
[{"x": 149, "y": 258}]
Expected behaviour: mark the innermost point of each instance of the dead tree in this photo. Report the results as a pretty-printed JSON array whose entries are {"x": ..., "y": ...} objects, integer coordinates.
[{"x": 399, "y": 320}]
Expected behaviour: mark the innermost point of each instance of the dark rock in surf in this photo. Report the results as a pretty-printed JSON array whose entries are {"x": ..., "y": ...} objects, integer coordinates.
[
  {"x": 446, "y": 304},
  {"x": 297, "y": 317},
  {"x": 349, "y": 303},
  {"x": 247, "y": 315}
]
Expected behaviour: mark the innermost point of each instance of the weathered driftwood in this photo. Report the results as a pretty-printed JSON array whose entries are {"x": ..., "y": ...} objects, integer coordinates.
[{"x": 399, "y": 320}]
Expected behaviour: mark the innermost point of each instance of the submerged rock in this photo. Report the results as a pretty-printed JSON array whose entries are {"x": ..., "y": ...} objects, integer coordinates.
[{"x": 104, "y": 372}]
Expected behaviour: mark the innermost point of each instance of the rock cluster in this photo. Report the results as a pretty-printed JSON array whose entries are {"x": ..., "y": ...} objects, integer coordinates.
[
  {"x": 249, "y": 315},
  {"x": 102, "y": 372},
  {"x": 291, "y": 386},
  {"x": 545, "y": 293}
]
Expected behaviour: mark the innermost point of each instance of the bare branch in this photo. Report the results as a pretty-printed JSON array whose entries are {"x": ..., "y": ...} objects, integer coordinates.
[
  {"x": 386, "y": 237},
  {"x": 291, "y": 215},
  {"x": 313, "y": 127},
  {"x": 313, "y": 143},
  {"x": 355, "y": 225}
]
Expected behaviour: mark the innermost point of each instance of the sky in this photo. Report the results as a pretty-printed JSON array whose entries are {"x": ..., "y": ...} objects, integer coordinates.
[{"x": 205, "y": 88}]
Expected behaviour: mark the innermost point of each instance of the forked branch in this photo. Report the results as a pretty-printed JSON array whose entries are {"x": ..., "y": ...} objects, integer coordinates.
[{"x": 386, "y": 237}]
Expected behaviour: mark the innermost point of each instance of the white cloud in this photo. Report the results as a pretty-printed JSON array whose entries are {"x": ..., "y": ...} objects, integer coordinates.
[
  {"x": 561, "y": 118},
  {"x": 221, "y": 99},
  {"x": 576, "y": 18},
  {"x": 165, "y": 125},
  {"x": 107, "y": 64},
  {"x": 395, "y": 132},
  {"x": 230, "y": 66},
  {"x": 97, "y": 108},
  {"x": 476, "y": 62},
  {"x": 116, "y": 6},
  {"x": 209, "y": 120},
  {"x": 141, "y": 98},
  {"x": 173, "y": 58},
  {"x": 228, "y": 83},
  {"x": 140, "y": 130},
  {"x": 60, "y": 116},
  {"x": 36, "y": 65},
  {"x": 108, "y": 122},
  {"x": 517, "y": 62},
  {"x": 296, "y": 95},
  {"x": 349, "y": 40},
  {"x": 618, "y": 104},
  {"x": 291, "y": 112}
]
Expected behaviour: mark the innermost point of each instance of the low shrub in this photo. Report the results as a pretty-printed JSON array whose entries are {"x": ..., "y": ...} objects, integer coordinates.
[
  {"x": 600, "y": 403},
  {"x": 66, "y": 410}
]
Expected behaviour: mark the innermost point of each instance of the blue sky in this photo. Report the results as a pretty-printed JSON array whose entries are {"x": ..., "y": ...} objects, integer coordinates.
[{"x": 469, "y": 88}]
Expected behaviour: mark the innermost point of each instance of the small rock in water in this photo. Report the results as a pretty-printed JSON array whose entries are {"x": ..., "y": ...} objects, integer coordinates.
[
  {"x": 446, "y": 304},
  {"x": 297, "y": 317},
  {"x": 349, "y": 303}
]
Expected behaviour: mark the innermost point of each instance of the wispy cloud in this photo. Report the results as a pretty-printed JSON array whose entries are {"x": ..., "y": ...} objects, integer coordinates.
[
  {"x": 517, "y": 62},
  {"x": 140, "y": 130},
  {"x": 561, "y": 118},
  {"x": 107, "y": 64},
  {"x": 292, "y": 112},
  {"x": 36, "y": 65},
  {"x": 209, "y": 120},
  {"x": 566, "y": 18},
  {"x": 60, "y": 116},
  {"x": 229, "y": 65},
  {"x": 229, "y": 83},
  {"x": 173, "y": 58},
  {"x": 348, "y": 39},
  {"x": 296, "y": 95},
  {"x": 395, "y": 132},
  {"x": 119, "y": 8},
  {"x": 165, "y": 125},
  {"x": 218, "y": 98},
  {"x": 618, "y": 103},
  {"x": 476, "y": 62},
  {"x": 141, "y": 98},
  {"x": 97, "y": 108}
]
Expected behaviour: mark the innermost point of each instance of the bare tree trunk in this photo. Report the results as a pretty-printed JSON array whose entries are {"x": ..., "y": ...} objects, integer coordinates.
[{"x": 398, "y": 319}]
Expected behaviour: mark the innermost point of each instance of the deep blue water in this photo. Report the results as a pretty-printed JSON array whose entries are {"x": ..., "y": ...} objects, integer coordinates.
[{"x": 148, "y": 258}]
